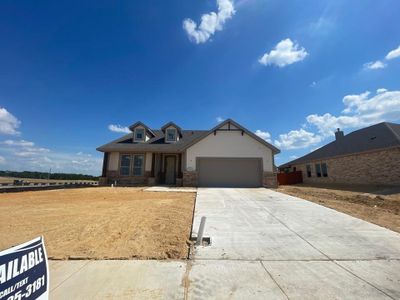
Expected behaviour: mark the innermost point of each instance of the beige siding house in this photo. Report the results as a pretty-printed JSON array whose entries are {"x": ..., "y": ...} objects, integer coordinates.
[
  {"x": 228, "y": 155},
  {"x": 367, "y": 156}
]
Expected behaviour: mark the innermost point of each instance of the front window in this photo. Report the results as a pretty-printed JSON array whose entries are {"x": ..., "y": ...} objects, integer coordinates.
[
  {"x": 308, "y": 171},
  {"x": 138, "y": 162},
  {"x": 139, "y": 134},
  {"x": 324, "y": 170},
  {"x": 125, "y": 165},
  {"x": 318, "y": 170},
  {"x": 171, "y": 135},
  {"x": 131, "y": 165}
]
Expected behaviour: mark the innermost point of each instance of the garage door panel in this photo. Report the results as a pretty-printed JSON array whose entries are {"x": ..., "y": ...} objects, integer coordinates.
[{"x": 229, "y": 172}]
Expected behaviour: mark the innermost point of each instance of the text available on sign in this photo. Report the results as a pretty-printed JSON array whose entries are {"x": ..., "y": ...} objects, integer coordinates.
[{"x": 24, "y": 271}]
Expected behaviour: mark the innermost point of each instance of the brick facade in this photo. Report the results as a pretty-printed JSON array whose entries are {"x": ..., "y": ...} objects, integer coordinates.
[
  {"x": 376, "y": 168},
  {"x": 189, "y": 178},
  {"x": 114, "y": 177},
  {"x": 270, "y": 180}
]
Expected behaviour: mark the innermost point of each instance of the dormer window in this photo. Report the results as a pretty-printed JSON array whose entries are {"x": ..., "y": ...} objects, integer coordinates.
[
  {"x": 139, "y": 135},
  {"x": 171, "y": 135}
]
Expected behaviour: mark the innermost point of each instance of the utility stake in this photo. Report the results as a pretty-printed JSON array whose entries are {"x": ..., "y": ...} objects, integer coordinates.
[{"x": 201, "y": 231}]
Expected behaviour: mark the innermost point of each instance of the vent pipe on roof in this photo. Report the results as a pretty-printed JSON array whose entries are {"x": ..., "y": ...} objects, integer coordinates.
[{"x": 339, "y": 134}]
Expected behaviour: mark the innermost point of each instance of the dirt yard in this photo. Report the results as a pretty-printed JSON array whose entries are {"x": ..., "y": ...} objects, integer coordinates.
[
  {"x": 380, "y": 206},
  {"x": 100, "y": 223}
]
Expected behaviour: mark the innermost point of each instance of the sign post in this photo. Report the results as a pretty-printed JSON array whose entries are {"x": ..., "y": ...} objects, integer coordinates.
[{"x": 24, "y": 272}]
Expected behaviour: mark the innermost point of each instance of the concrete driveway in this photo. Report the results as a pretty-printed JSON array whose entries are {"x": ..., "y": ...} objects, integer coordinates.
[
  {"x": 265, "y": 245},
  {"x": 269, "y": 245}
]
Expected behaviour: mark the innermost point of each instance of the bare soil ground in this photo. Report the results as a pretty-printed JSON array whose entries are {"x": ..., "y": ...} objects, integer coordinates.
[
  {"x": 100, "y": 223},
  {"x": 377, "y": 205}
]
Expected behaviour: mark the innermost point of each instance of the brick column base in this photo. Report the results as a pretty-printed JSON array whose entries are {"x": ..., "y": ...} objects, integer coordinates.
[
  {"x": 270, "y": 180},
  {"x": 189, "y": 178}
]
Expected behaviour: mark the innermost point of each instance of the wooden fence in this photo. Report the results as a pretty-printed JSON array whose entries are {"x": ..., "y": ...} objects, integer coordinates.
[{"x": 290, "y": 178}]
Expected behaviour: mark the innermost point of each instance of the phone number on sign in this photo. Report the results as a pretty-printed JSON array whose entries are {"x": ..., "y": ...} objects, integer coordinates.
[{"x": 29, "y": 289}]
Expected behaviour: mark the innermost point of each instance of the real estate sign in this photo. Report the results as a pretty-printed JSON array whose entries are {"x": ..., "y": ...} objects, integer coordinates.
[{"x": 24, "y": 271}]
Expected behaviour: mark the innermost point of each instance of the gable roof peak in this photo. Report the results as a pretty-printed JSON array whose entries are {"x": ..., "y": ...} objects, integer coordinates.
[
  {"x": 244, "y": 130},
  {"x": 139, "y": 123},
  {"x": 170, "y": 123}
]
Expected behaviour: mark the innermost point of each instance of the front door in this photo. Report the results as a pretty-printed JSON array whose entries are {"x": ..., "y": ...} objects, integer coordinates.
[{"x": 170, "y": 170}]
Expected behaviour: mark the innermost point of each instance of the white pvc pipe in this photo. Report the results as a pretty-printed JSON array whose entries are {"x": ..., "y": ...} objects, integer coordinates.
[{"x": 201, "y": 231}]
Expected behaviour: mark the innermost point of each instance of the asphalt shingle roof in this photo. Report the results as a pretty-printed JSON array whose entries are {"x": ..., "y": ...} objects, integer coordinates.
[
  {"x": 187, "y": 138},
  {"x": 155, "y": 144},
  {"x": 378, "y": 136}
]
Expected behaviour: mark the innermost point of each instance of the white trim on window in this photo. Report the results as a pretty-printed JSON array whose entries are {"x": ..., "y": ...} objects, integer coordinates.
[
  {"x": 132, "y": 164},
  {"x": 141, "y": 132},
  {"x": 170, "y": 134}
]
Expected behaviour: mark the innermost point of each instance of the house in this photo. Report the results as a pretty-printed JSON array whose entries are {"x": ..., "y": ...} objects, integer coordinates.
[
  {"x": 228, "y": 155},
  {"x": 367, "y": 156}
]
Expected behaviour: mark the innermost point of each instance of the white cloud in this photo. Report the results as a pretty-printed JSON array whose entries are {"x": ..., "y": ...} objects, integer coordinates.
[
  {"x": 210, "y": 23},
  {"x": 393, "y": 54},
  {"x": 264, "y": 135},
  {"x": 219, "y": 119},
  {"x": 374, "y": 65},
  {"x": 22, "y": 155},
  {"x": 379, "y": 64},
  {"x": 380, "y": 91},
  {"x": 297, "y": 139},
  {"x": 24, "y": 148},
  {"x": 293, "y": 156},
  {"x": 285, "y": 53},
  {"x": 118, "y": 128},
  {"x": 360, "y": 110},
  {"x": 8, "y": 123},
  {"x": 20, "y": 143}
]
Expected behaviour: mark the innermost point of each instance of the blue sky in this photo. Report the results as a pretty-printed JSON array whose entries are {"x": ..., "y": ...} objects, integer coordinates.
[{"x": 292, "y": 71}]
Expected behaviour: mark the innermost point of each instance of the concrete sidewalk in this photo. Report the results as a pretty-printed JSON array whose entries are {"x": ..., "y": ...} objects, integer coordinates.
[
  {"x": 265, "y": 245},
  {"x": 117, "y": 279}
]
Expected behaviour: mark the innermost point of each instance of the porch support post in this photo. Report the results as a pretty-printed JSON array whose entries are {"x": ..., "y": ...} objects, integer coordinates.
[
  {"x": 180, "y": 165},
  {"x": 153, "y": 162}
]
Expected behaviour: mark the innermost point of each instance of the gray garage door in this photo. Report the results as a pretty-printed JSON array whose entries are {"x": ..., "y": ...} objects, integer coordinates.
[{"x": 229, "y": 172}]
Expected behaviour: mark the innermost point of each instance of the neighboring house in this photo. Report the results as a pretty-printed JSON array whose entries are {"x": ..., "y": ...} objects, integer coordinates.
[
  {"x": 228, "y": 155},
  {"x": 367, "y": 156}
]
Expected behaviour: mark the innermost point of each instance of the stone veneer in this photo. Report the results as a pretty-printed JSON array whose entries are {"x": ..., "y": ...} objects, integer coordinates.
[
  {"x": 113, "y": 176},
  {"x": 270, "y": 180},
  {"x": 376, "y": 168},
  {"x": 189, "y": 178}
]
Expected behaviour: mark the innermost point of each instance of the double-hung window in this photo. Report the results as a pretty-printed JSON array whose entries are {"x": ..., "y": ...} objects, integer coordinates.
[
  {"x": 308, "y": 170},
  {"x": 138, "y": 162},
  {"x": 131, "y": 164},
  {"x": 125, "y": 165},
  {"x": 139, "y": 134},
  {"x": 171, "y": 135},
  {"x": 318, "y": 170},
  {"x": 324, "y": 170}
]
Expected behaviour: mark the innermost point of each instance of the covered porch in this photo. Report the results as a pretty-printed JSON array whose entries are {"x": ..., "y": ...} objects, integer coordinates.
[{"x": 165, "y": 168}]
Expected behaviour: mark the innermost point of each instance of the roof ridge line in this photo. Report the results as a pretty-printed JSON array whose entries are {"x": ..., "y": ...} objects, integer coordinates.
[{"x": 391, "y": 129}]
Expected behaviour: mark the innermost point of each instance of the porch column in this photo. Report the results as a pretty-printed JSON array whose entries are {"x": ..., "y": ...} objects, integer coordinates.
[
  {"x": 180, "y": 165},
  {"x": 152, "y": 165}
]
